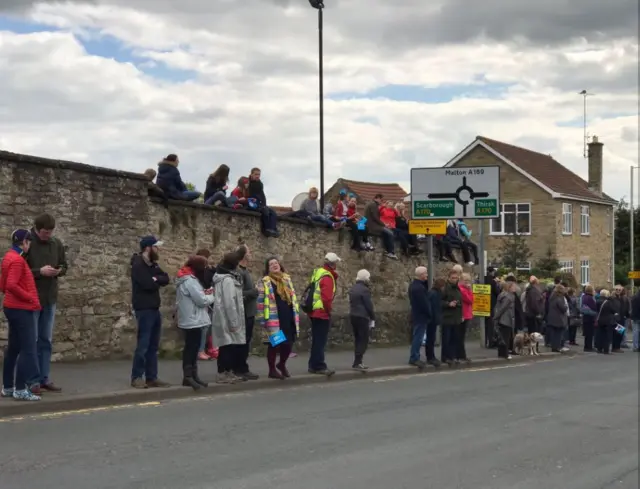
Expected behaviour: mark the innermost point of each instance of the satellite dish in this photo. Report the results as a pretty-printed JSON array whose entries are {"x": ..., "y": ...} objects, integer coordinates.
[{"x": 297, "y": 201}]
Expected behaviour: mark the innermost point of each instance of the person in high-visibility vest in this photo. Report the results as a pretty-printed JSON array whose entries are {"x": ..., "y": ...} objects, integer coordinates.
[{"x": 324, "y": 292}]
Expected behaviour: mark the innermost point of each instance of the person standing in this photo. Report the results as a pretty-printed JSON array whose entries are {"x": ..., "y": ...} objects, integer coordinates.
[
  {"x": 228, "y": 328},
  {"x": 278, "y": 311},
  {"x": 558, "y": 318},
  {"x": 250, "y": 299},
  {"x": 451, "y": 317},
  {"x": 420, "y": 314},
  {"x": 48, "y": 263},
  {"x": 533, "y": 305},
  {"x": 362, "y": 316},
  {"x": 435, "y": 303},
  {"x": 489, "y": 334},
  {"x": 589, "y": 311},
  {"x": 467, "y": 317},
  {"x": 206, "y": 351},
  {"x": 635, "y": 321},
  {"x": 504, "y": 318},
  {"x": 606, "y": 322},
  {"x": 324, "y": 292},
  {"x": 146, "y": 280},
  {"x": 575, "y": 318},
  {"x": 192, "y": 313},
  {"x": 622, "y": 310},
  {"x": 20, "y": 304}
]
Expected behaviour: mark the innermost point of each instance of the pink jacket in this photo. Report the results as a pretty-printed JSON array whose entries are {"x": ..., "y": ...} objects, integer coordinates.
[{"x": 467, "y": 302}]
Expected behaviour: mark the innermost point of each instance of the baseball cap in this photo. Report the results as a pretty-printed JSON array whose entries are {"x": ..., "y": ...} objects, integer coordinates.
[
  {"x": 19, "y": 235},
  {"x": 332, "y": 257},
  {"x": 149, "y": 241},
  {"x": 343, "y": 191}
]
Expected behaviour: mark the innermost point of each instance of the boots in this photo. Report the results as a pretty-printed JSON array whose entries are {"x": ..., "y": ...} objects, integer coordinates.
[
  {"x": 197, "y": 378},
  {"x": 189, "y": 380}
]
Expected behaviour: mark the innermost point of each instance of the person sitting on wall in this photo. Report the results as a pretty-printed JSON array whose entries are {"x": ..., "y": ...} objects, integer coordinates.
[
  {"x": 152, "y": 189},
  {"x": 409, "y": 242},
  {"x": 358, "y": 227},
  {"x": 453, "y": 238},
  {"x": 268, "y": 219},
  {"x": 465, "y": 234},
  {"x": 375, "y": 225},
  {"x": 170, "y": 181},
  {"x": 217, "y": 185},
  {"x": 342, "y": 206},
  {"x": 309, "y": 209},
  {"x": 240, "y": 194},
  {"x": 445, "y": 252}
]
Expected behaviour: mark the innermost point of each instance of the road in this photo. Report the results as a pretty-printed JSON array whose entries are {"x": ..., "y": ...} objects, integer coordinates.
[{"x": 567, "y": 423}]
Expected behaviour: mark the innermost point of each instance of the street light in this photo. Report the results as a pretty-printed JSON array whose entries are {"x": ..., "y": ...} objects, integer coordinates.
[{"x": 319, "y": 6}]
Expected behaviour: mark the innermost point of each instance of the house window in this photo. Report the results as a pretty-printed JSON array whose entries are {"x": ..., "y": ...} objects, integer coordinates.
[
  {"x": 566, "y": 266},
  {"x": 567, "y": 218},
  {"x": 524, "y": 267},
  {"x": 585, "y": 220},
  {"x": 514, "y": 219},
  {"x": 585, "y": 272}
]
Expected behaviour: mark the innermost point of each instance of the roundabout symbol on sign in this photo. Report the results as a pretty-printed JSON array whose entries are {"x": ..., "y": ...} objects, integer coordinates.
[{"x": 458, "y": 195}]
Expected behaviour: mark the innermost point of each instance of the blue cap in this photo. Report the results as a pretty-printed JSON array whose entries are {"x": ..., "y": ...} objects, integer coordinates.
[
  {"x": 19, "y": 235},
  {"x": 343, "y": 191},
  {"x": 150, "y": 240}
]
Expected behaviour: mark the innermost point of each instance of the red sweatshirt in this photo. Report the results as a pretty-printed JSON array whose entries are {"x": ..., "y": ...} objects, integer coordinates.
[
  {"x": 388, "y": 216},
  {"x": 17, "y": 283},
  {"x": 326, "y": 294},
  {"x": 467, "y": 302}
]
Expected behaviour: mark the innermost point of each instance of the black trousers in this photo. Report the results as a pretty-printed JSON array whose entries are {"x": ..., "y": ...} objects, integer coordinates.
[
  {"x": 489, "y": 335},
  {"x": 430, "y": 345},
  {"x": 505, "y": 339},
  {"x": 573, "y": 332},
  {"x": 555, "y": 336},
  {"x": 471, "y": 248},
  {"x": 360, "y": 328},
  {"x": 242, "y": 364},
  {"x": 192, "y": 339},
  {"x": 616, "y": 340},
  {"x": 587, "y": 331},
  {"x": 459, "y": 335},
  {"x": 228, "y": 358},
  {"x": 533, "y": 324},
  {"x": 604, "y": 338}
]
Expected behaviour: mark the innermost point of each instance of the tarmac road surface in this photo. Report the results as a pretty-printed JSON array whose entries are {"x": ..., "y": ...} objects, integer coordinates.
[{"x": 568, "y": 423}]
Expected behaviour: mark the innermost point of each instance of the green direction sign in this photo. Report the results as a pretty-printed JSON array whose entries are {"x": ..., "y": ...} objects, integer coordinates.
[
  {"x": 486, "y": 208},
  {"x": 434, "y": 208}
]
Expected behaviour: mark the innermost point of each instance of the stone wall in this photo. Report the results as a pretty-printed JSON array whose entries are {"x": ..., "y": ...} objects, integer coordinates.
[{"x": 101, "y": 214}]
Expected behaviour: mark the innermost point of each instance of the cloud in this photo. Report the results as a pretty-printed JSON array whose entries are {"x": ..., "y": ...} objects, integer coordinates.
[{"x": 508, "y": 71}]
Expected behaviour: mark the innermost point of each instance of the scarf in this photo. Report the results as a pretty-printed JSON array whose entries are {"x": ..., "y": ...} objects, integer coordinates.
[{"x": 281, "y": 285}]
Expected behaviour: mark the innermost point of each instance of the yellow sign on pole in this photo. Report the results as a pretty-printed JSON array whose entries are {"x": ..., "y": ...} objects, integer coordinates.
[
  {"x": 481, "y": 300},
  {"x": 634, "y": 275},
  {"x": 427, "y": 226}
]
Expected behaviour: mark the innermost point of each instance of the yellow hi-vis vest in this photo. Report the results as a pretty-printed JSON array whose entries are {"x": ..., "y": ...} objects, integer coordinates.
[{"x": 318, "y": 274}]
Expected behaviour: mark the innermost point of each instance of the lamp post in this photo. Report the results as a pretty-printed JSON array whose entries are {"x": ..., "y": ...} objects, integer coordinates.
[{"x": 319, "y": 6}]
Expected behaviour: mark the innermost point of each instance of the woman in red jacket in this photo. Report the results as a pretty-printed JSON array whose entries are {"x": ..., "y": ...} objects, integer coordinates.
[
  {"x": 20, "y": 303},
  {"x": 388, "y": 215},
  {"x": 467, "y": 315}
]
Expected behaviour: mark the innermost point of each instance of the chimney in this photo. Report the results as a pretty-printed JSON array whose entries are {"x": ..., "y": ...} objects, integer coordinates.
[{"x": 595, "y": 166}]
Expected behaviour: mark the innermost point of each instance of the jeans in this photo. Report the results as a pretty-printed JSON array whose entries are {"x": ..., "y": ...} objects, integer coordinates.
[
  {"x": 219, "y": 196},
  {"x": 387, "y": 240},
  {"x": 191, "y": 344},
  {"x": 319, "y": 338},
  {"x": 360, "y": 328},
  {"x": 417, "y": 335},
  {"x": 44, "y": 321},
  {"x": 20, "y": 351},
  {"x": 204, "y": 333},
  {"x": 244, "y": 350},
  {"x": 191, "y": 195},
  {"x": 403, "y": 237},
  {"x": 268, "y": 219},
  {"x": 447, "y": 348},
  {"x": 429, "y": 345},
  {"x": 145, "y": 358},
  {"x": 444, "y": 249},
  {"x": 322, "y": 220},
  {"x": 635, "y": 325},
  {"x": 473, "y": 248}
]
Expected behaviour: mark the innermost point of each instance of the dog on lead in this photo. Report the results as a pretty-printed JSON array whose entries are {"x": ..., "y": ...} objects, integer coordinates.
[{"x": 527, "y": 344}]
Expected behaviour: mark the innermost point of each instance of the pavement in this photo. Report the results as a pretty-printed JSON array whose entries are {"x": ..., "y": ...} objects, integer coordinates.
[
  {"x": 93, "y": 384},
  {"x": 570, "y": 423}
]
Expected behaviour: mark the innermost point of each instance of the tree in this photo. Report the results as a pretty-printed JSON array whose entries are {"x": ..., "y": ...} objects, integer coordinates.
[
  {"x": 623, "y": 241},
  {"x": 191, "y": 186},
  {"x": 548, "y": 265},
  {"x": 514, "y": 252}
]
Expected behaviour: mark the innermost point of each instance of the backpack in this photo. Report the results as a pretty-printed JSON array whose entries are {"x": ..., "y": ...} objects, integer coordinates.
[{"x": 306, "y": 299}]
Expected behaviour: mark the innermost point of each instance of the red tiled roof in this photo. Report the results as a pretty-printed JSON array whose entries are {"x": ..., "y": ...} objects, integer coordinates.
[
  {"x": 366, "y": 191},
  {"x": 281, "y": 209},
  {"x": 546, "y": 170}
]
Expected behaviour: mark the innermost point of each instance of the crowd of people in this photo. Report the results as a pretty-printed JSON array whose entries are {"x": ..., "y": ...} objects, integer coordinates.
[{"x": 386, "y": 219}]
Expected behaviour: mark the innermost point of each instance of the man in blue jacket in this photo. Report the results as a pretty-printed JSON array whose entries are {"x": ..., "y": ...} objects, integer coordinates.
[{"x": 420, "y": 315}]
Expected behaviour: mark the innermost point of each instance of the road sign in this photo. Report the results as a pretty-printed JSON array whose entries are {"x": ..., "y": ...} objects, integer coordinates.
[
  {"x": 427, "y": 227},
  {"x": 634, "y": 275},
  {"x": 455, "y": 193},
  {"x": 481, "y": 300}
]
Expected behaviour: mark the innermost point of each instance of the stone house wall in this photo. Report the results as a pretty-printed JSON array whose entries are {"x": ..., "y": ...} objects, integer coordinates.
[{"x": 101, "y": 215}]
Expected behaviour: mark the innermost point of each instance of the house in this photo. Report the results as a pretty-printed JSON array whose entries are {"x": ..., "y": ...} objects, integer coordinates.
[
  {"x": 551, "y": 206},
  {"x": 365, "y": 191}
]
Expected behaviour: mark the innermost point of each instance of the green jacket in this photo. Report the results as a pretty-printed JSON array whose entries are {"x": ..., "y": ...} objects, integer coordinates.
[
  {"x": 43, "y": 253},
  {"x": 451, "y": 316}
]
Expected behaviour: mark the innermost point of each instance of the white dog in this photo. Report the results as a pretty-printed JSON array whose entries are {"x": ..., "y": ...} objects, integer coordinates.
[{"x": 534, "y": 339}]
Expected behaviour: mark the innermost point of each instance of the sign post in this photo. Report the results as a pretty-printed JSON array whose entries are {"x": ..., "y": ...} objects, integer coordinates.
[
  {"x": 482, "y": 300},
  {"x": 634, "y": 275}
]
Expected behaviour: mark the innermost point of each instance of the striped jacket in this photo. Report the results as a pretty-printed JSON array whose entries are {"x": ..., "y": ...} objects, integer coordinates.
[{"x": 267, "y": 315}]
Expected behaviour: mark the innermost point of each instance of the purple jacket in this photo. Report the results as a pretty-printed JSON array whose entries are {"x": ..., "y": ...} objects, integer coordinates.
[{"x": 588, "y": 309}]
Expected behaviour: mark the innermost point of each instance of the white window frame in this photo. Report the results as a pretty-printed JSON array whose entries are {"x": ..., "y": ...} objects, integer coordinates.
[
  {"x": 585, "y": 220},
  {"x": 501, "y": 232},
  {"x": 524, "y": 267},
  {"x": 567, "y": 219},
  {"x": 585, "y": 271},
  {"x": 566, "y": 266}
]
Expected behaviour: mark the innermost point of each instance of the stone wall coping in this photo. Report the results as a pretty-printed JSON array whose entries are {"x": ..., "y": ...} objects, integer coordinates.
[{"x": 69, "y": 165}]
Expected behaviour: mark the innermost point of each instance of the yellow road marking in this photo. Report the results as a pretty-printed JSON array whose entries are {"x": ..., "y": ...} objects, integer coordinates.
[{"x": 62, "y": 414}]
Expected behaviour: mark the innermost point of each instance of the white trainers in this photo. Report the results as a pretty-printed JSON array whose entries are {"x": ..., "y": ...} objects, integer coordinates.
[{"x": 470, "y": 264}]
